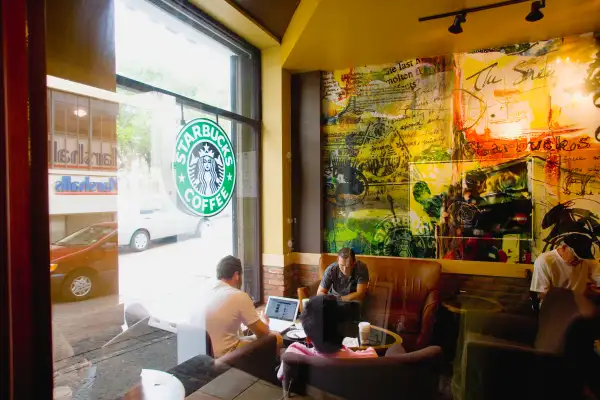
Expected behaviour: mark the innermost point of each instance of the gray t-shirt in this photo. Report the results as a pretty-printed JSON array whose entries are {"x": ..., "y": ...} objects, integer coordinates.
[{"x": 339, "y": 284}]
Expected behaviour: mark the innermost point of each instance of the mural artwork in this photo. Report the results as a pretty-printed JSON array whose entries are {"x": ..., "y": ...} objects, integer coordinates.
[{"x": 492, "y": 155}]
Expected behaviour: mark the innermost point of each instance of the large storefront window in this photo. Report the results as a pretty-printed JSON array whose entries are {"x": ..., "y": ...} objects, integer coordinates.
[{"x": 153, "y": 178}]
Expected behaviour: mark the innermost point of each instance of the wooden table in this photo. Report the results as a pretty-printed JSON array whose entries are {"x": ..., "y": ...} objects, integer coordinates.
[
  {"x": 386, "y": 341},
  {"x": 456, "y": 307},
  {"x": 463, "y": 303},
  {"x": 381, "y": 338}
]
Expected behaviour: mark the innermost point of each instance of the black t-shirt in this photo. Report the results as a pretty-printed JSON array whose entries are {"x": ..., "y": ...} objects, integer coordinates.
[{"x": 339, "y": 284}]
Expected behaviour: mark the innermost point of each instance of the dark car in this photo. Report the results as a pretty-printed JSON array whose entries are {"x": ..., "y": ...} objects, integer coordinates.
[{"x": 84, "y": 262}]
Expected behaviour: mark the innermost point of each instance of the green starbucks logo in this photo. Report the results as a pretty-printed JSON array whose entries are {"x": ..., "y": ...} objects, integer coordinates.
[{"x": 204, "y": 167}]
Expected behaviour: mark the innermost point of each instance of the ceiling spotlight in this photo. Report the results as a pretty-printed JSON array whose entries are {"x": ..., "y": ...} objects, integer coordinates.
[
  {"x": 536, "y": 13},
  {"x": 456, "y": 27}
]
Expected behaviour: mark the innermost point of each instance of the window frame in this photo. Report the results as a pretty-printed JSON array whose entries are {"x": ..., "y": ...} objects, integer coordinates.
[
  {"x": 26, "y": 332},
  {"x": 246, "y": 74}
]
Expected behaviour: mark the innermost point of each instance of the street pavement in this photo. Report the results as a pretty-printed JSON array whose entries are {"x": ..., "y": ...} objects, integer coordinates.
[{"x": 165, "y": 278}]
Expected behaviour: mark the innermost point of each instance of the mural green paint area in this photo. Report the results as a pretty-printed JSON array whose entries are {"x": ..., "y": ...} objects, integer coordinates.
[{"x": 462, "y": 157}]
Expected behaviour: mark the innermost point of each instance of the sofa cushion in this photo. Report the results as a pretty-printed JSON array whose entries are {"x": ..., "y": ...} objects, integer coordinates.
[
  {"x": 418, "y": 276},
  {"x": 408, "y": 280}
]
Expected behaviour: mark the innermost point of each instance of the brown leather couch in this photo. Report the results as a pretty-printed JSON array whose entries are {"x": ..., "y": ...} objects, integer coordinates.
[
  {"x": 397, "y": 287},
  {"x": 398, "y": 375}
]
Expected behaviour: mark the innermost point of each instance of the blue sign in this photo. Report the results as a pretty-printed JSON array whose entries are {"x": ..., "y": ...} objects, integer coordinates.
[{"x": 86, "y": 186}]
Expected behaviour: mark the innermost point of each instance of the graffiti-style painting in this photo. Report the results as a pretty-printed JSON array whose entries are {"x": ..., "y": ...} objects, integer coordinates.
[{"x": 492, "y": 155}]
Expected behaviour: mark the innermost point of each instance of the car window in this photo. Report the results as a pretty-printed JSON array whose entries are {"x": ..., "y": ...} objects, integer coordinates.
[{"x": 85, "y": 236}]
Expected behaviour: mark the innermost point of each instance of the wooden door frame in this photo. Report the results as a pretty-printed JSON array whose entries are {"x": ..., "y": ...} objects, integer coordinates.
[{"x": 25, "y": 339}]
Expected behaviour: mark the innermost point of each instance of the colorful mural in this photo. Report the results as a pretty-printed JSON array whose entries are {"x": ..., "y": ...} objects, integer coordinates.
[{"x": 491, "y": 155}]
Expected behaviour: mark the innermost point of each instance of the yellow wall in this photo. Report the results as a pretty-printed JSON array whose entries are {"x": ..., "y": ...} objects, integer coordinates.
[{"x": 276, "y": 204}]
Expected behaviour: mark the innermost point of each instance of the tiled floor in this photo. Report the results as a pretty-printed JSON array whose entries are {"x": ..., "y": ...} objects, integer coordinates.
[{"x": 237, "y": 385}]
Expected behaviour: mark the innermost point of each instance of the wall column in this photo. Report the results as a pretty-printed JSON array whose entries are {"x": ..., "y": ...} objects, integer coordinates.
[{"x": 278, "y": 275}]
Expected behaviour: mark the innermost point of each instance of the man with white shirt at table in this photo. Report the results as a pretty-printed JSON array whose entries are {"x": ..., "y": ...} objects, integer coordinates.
[
  {"x": 226, "y": 307},
  {"x": 571, "y": 266}
]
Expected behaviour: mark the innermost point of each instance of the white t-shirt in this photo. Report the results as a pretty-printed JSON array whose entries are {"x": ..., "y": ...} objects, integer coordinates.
[
  {"x": 224, "y": 309},
  {"x": 550, "y": 270}
]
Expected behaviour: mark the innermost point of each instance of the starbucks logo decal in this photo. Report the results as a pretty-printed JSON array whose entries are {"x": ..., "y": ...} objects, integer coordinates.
[{"x": 204, "y": 167}]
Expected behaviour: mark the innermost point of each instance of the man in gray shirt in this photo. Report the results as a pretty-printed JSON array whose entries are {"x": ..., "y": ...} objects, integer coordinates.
[{"x": 347, "y": 278}]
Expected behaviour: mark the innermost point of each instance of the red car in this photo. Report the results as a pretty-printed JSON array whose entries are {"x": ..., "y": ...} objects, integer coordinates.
[{"x": 84, "y": 262}]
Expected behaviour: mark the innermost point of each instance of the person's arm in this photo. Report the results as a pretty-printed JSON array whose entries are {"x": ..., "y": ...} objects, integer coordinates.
[
  {"x": 259, "y": 328},
  {"x": 362, "y": 278},
  {"x": 250, "y": 318},
  {"x": 594, "y": 271},
  {"x": 540, "y": 279},
  {"x": 361, "y": 291},
  {"x": 326, "y": 282}
]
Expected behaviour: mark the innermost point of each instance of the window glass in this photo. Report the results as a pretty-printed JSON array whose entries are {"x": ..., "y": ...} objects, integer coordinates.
[
  {"x": 159, "y": 50},
  {"x": 134, "y": 249}
]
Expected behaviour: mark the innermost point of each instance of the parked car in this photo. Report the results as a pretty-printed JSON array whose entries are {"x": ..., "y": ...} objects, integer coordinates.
[
  {"x": 138, "y": 230},
  {"x": 83, "y": 262}
]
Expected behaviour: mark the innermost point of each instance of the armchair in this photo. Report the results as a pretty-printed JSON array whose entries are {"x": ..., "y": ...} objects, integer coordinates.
[
  {"x": 398, "y": 375},
  {"x": 505, "y": 356},
  {"x": 398, "y": 288}
]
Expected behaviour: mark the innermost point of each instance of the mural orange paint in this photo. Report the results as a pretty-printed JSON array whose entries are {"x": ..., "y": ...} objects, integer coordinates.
[{"x": 491, "y": 155}]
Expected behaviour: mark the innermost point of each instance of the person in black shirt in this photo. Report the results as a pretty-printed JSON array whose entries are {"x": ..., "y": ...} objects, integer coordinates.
[{"x": 347, "y": 279}]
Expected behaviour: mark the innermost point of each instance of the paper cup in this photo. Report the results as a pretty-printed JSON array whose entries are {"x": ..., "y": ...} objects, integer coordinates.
[{"x": 364, "y": 329}]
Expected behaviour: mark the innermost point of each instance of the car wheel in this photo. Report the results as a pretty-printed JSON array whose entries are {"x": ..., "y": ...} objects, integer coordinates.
[
  {"x": 79, "y": 285},
  {"x": 140, "y": 240}
]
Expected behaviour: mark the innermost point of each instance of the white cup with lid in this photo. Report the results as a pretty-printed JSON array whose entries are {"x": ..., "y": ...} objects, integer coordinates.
[{"x": 364, "y": 329}]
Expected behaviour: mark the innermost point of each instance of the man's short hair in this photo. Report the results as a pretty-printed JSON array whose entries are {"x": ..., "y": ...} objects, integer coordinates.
[
  {"x": 322, "y": 318},
  {"x": 347, "y": 253},
  {"x": 228, "y": 266}
]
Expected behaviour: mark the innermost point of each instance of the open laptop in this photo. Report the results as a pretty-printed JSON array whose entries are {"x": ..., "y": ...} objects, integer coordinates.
[{"x": 282, "y": 312}]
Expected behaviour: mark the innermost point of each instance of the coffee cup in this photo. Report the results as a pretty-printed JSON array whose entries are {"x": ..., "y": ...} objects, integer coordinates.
[{"x": 364, "y": 329}]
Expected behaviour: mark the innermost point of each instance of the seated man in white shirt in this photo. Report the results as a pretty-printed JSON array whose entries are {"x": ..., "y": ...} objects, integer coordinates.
[
  {"x": 227, "y": 307},
  {"x": 571, "y": 266}
]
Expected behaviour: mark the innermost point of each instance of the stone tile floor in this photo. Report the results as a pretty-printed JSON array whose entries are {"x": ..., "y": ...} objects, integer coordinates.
[{"x": 237, "y": 385}]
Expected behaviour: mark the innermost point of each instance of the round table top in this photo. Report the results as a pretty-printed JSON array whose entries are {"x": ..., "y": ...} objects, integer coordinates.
[
  {"x": 462, "y": 303},
  {"x": 379, "y": 338},
  {"x": 156, "y": 385}
]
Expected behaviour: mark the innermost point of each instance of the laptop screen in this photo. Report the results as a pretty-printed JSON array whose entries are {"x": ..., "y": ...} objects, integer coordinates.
[{"x": 282, "y": 309}]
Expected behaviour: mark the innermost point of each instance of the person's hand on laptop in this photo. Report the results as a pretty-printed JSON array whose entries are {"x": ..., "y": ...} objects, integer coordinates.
[{"x": 264, "y": 317}]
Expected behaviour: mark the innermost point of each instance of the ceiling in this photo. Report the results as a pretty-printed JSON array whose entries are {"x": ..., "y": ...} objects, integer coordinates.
[
  {"x": 274, "y": 15},
  {"x": 336, "y": 34}
]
